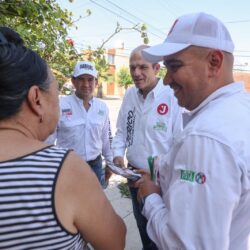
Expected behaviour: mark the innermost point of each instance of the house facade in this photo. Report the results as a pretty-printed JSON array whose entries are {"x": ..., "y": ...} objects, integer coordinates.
[
  {"x": 243, "y": 76},
  {"x": 117, "y": 59}
]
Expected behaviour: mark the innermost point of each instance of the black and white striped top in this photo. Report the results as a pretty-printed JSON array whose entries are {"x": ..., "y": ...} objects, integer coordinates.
[{"x": 27, "y": 205}]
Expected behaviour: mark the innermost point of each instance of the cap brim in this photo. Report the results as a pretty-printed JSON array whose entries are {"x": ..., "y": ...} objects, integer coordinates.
[
  {"x": 85, "y": 73},
  {"x": 156, "y": 53}
]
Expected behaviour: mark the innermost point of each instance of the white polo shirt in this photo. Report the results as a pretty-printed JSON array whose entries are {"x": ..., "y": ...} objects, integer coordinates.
[
  {"x": 146, "y": 127},
  {"x": 87, "y": 132},
  {"x": 205, "y": 179}
]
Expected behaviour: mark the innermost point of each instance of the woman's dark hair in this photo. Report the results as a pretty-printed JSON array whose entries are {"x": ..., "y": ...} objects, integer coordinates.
[{"x": 20, "y": 68}]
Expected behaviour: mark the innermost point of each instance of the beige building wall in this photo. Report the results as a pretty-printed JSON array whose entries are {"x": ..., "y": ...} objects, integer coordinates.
[
  {"x": 243, "y": 76},
  {"x": 117, "y": 59}
]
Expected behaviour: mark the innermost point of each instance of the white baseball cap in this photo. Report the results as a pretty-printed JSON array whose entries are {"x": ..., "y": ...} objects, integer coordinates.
[
  {"x": 85, "y": 67},
  {"x": 198, "y": 29}
]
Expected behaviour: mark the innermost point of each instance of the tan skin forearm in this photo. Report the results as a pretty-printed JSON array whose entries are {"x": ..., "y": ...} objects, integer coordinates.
[
  {"x": 82, "y": 206},
  {"x": 119, "y": 161}
]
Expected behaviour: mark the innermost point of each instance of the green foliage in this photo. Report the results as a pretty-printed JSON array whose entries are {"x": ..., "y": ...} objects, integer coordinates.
[
  {"x": 124, "y": 190},
  {"x": 43, "y": 26},
  {"x": 143, "y": 27},
  {"x": 124, "y": 78},
  {"x": 144, "y": 34},
  {"x": 162, "y": 72},
  {"x": 88, "y": 12}
]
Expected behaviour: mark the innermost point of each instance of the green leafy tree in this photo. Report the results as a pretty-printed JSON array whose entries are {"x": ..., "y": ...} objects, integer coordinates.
[
  {"x": 44, "y": 27},
  {"x": 124, "y": 78},
  {"x": 162, "y": 72}
]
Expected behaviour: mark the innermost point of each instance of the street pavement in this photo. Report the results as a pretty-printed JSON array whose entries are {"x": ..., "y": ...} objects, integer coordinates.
[{"x": 122, "y": 205}]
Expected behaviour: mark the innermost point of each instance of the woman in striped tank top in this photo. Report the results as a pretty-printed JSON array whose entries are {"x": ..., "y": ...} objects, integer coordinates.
[{"x": 49, "y": 198}]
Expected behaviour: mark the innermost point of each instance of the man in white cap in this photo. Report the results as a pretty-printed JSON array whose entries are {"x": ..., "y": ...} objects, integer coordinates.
[
  {"x": 202, "y": 196},
  {"x": 84, "y": 121}
]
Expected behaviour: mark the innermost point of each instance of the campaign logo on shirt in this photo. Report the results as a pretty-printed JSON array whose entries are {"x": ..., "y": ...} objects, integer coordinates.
[
  {"x": 100, "y": 112},
  {"x": 66, "y": 112},
  {"x": 162, "y": 109},
  {"x": 160, "y": 126},
  {"x": 200, "y": 178},
  {"x": 192, "y": 176}
]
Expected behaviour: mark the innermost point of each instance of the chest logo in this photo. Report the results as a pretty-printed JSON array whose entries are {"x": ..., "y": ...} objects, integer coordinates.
[
  {"x": 66, "y": 112},
  {"x": 162, "y": 109},
  {"x": 160, "y": 126},
  {"x": 100, "y": 112}
]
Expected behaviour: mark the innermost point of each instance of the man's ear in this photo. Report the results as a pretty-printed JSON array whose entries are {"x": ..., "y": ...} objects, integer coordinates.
[
  {"x": 215, "y": 60},
  {"x": 35, "y": 100},
  {"x": 157, "y": 68}
]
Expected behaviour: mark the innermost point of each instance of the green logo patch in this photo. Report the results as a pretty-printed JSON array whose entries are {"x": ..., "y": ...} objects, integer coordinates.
[
  {"x": 189, "y": 175},
  {"x": 161, "y": 126},
  {"x": 100, "y": 112}
]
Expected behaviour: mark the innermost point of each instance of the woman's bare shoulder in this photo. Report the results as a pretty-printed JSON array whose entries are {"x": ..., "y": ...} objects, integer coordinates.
[{"x": 85, "y": 208}]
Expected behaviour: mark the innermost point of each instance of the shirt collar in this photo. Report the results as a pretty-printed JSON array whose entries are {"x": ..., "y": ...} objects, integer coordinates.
[
  {"x": 155, "y": 91},
  {"x": 80, "y": 101},
  {"x": 226, "y": 90}
]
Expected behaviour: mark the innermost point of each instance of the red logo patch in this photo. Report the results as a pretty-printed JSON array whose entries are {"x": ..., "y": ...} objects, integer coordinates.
[
  {"x": 200, "y": 178},
  {"x": 162, "y": 109}
]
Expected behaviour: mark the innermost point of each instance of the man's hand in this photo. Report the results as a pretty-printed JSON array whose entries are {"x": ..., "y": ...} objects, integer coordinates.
[
  {"x": 146, "y": 185},
  {"x": 119, "y": 161},
  {"x": 108, "y": 173},
  {"x": 132, "y": 184}
]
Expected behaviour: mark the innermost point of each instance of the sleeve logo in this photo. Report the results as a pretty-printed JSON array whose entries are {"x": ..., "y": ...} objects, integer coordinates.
[{"x": 192, "y": 176}]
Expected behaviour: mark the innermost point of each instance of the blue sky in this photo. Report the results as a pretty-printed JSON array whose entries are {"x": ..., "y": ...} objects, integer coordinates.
[{"x": 158, "y": 15}]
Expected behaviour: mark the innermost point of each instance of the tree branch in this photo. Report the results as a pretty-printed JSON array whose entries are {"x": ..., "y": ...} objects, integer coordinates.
[{"x": 117, "y": 30}]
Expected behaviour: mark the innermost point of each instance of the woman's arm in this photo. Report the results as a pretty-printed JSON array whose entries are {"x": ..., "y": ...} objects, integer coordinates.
[{"x": 82, "y": 206}]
